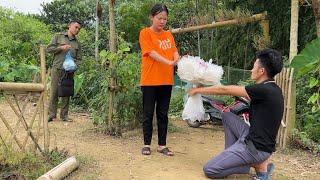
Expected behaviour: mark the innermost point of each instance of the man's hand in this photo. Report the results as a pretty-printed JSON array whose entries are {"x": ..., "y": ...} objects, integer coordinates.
[
  {"x": 192, "y": 91},
  {"x": 65, "y": 47}
]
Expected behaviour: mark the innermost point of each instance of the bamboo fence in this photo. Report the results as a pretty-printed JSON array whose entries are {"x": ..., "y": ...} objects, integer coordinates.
[
  {"x": 15, "y": 133},
  {"x": 284, "y": 81}
]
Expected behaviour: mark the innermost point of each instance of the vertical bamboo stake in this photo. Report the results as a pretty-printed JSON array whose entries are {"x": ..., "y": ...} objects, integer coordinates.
[
  {"x": 290, "y": 124},
  {"x": 45, "y": 103},
  {"x": 266, "y": 31},
  {"x": 31, "y": 123},
  {"x": 10, "y": 130}
]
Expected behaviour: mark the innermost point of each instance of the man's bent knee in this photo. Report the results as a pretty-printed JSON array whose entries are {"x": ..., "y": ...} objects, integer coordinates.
[{"x": 211, "y": 172}]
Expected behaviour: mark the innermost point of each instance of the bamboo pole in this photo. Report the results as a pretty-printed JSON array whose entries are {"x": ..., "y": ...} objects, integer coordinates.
[
  {"x": 281, "y": 85},
  {"x": 62, "y": 170},
  {"x": 291, "y": 107},
  {"x": 10, "y": 130},
  {"x": 44, "y": 98},
  {"x": 32, "y": 121},
  {"x": 23, "y": 109},
  {"x": 34, "y": 87},
  {"x": 266, "y": 31},
  {"x": 246, "y": 20},
  {"x": 24, "y": 122},
  {"x": 15, "y": 129}
]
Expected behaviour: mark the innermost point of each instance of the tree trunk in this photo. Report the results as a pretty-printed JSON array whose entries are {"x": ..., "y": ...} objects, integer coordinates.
[
  {"x": 291, "y": 115},
  {"x": 316, "y": 12},
  {"x": 112, "y": 40},
  {"x": 96, "y": 50},
  {"x": 113, "y": 49},
  {"x": 294, "y": 29},
  {"x": 198, "y": 32}
]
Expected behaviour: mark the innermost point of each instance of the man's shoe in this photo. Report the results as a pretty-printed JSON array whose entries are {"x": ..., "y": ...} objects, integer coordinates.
[
  {"x": 265, "y": 175},
  {"x": 50, "y": 119},
  {"x": 67, "y": 120},
  {"x": 270, "y": 168}
]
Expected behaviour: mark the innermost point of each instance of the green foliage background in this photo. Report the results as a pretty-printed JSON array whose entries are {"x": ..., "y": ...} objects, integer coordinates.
[
  {"x": 234, "y": 46},
  {"x": 19, "y": 45}
]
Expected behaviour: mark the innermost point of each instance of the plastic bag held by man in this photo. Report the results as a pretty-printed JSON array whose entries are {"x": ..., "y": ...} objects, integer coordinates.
[
  {"x": 193, "y": 109},
  {"x": 196, "y": 71},
  {"x": 69, "y": 65}
]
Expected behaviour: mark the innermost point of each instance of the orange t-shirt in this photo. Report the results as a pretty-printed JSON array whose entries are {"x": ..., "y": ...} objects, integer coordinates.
[{"x": 155, "y": 73}]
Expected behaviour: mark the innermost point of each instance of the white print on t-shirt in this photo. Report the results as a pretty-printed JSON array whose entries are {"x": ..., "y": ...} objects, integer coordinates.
[{"x": 165, "y": 44}]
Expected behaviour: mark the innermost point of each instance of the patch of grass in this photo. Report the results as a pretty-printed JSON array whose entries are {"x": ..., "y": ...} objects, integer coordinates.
[
  {"x": 172, "y": 128},
  {"x": 28, "y": 165},
  {"x": 83, "y": 160},
  {"x": 301, "y": 140},
  {"x": 91, "y": 177},
  {"x": 88, "y": 169}
]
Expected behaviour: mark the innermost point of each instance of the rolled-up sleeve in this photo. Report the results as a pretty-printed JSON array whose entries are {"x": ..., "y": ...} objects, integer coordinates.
[{"x": 53, "y": 47}]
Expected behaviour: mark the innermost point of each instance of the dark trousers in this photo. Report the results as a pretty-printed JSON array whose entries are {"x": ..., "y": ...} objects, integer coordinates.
[
  {"x": 159, "y": 96},
  {"x": 238, "y": 155},
  {"x": 56, "y": 75}
]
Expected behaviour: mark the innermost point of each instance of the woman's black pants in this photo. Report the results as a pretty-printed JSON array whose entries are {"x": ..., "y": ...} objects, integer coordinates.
[{"x": 159, "y": 97}]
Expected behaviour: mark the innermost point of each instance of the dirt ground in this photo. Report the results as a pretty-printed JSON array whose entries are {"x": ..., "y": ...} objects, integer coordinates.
[{"x": 104, "y": 157}]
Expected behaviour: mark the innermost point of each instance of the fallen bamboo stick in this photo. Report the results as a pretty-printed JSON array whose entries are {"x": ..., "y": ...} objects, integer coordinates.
[{"x": 62, "y": 170}]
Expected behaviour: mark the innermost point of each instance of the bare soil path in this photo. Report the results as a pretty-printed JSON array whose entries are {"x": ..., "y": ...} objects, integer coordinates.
[
  {"x": 105, "y": 157},
  {"x": 110, "y": 158}
]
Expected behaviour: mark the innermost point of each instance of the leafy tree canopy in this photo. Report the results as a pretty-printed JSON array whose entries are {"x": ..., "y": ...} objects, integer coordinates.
[{"x": 19, "y": 45}]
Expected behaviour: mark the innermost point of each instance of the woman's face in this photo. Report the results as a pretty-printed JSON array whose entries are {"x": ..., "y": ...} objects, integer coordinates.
[{"x": 159, "y": 21}]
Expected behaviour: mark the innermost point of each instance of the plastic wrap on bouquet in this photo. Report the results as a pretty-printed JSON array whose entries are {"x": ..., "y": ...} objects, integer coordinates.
[
  {"x": 195, "y": 70},
  {"x": 193, "y": 109}
]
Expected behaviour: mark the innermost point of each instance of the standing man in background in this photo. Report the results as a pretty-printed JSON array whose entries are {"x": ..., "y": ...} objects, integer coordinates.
[{"x": 59, "y": 46}]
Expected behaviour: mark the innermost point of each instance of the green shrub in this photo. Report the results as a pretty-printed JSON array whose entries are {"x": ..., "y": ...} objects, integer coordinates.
[
  {"x": 19, "y": 46},
  {"x": 127, "y": 100}
]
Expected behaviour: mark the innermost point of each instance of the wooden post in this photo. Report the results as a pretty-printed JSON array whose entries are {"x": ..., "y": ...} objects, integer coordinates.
[
  {"x": 266, "y": 31},
  {"x": 44, "y": 97}
]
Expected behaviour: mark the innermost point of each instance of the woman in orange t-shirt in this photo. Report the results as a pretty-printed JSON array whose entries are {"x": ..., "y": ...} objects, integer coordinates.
[{"x": 159, "y": 56}]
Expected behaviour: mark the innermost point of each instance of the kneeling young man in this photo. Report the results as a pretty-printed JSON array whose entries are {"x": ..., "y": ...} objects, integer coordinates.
[{"x": 250, "y": 146}]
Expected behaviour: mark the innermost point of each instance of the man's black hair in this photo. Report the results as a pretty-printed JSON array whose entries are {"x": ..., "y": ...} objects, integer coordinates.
[
  {"x": 158, "y": 8},
  {"x": 75, "y": 21},
  {"x": 271, "y": 60}
]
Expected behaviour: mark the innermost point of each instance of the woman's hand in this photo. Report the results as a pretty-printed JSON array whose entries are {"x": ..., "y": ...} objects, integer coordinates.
[{"x": 173, "y": 63}]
